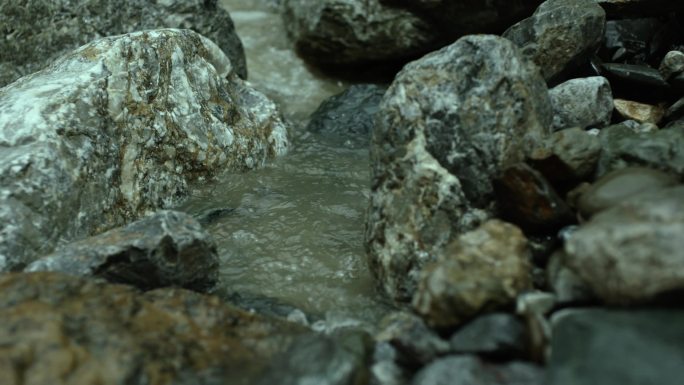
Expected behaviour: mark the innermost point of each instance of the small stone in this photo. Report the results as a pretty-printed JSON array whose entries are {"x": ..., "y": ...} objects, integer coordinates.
[
  {"x": 584, "y": 103},
  {"x": 497, "y": 334},
  {"x": 567, "y": 156},
  {"x": 471, "y": 370},
  {"x": 415, "y": 343},
  {"x": 672, "y": 64},
  {"x": 640, "y": 112}
]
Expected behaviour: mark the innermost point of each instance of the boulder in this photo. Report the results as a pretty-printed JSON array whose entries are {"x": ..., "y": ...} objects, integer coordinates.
[
  {"x": 120, "y": 128},
  {"x": 40, "y": 31},
  {"x": 560, "y": 35},
  {"x": 584, "y": 103},
  {"x": 471, "y": 370},
  {"x": 165, "y": 249},
  {"x": 449, "y": 123}
]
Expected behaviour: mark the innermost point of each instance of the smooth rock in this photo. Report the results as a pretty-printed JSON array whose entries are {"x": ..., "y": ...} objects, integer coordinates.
[
  {"x": 566, "y": 285},
  {"x": 415, "y": 343},
  {"x": 675, "y": 111},
  {"x": 633, "y": 75},
  {"x": 629, "y": 40},
  {"x": 638, "y": 8},
  {"x": 640, "y": 112},
  {"x": 568, "y": 156},
  {"x": 672, "y": 64},
  {"x": 471, "y": 370},
  {"x": 448, "y": 124},
  {"x": 617, "y": 347},
  {"x": 633, "y": 252},
  {"x": 500, "y": 335},
  {"x": 584, "y": 103},
  {"x": 560, "y": 35},
  {"x": 483, "y": 270},
  {"x": 120, "y": 128},
  {"x": 39, "y": 31}
]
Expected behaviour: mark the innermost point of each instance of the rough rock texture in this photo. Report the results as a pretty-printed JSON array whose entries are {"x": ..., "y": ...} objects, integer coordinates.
[
  {"x": 349, "y": 32},
  {"x": 447, "y": 125},
  {"x": 569, "y": 155},
  {"x": 496, "y": 334},
  {"x": 165, "y": 249},
  {"x": 617, "y": 347},
  {"x": 36, "y": 32},
  {"x": 640, "y": 112},
  {"x": 634, "y": 251},
  {"x": 415, "y": 343},
  {"x": 560, "y": 35},
  {"x": 481, "y": 270},
  {"x": 58, "y": 329},
  {"x": 470, "y": 370},
  {"x": 117, "y": 129},
  {"x": 584, "y": 103}
]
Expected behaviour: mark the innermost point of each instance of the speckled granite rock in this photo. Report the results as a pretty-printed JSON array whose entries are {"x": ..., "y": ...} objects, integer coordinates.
[
  {"x": 583, "y": 102},
  {"x": 117, "y": 129},
  {"x": 36, "y": 32},
  {"x": 447, "y": 125}
]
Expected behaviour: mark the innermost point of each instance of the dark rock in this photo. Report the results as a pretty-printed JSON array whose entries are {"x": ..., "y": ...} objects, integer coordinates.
[
  {"x": 119, "y": 128},
  {"x": 628, "y": 40},
  {"x": 267, "y": 306},
  {"x": 500, "y": 335},
  {"x": 447, "y": 126},
  {"x": 470, "y": 370},
  {"x": 640, "y": 112},
  {"x": 675, "y": 111},
  {"x": 349, "y": 115},
  {"x": 672, "y": 65},
  {"x": 166, "y": 249},
  {"x": 567, "y": 157},
  {"x": 634, "y": 75},
  {"x": 39, "y": 31},
  {"x": 617, "y": 347},
  {"x": 415, "y": 343},
  {"x": 584, "y": 103},
  {"x": 210, "y": 216},
  {"x": 638, "y": 8},
  {"x": 560, "y": 35}
]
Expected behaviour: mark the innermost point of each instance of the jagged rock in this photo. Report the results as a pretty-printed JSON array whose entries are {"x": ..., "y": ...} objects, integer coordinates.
[
  {"x": 117, "y": 129},
  {"x": 617, "y": 347},
  {"x": 640, "y": 112},
  {"x": 560, "y": 35},
  {"x": 415, "y": 343},
  {"x": 584, "y": 103},
  {"x": 497, "y": 334},
  {"x": 448, "y": 124},
  {"x": 471, "y": 370},
  {"x": 59, "y": 329},
  {"x": 36, "y": 32},
  {"x": 165, "y": 249},
  {"x": 632, "y": 252},
  {"x": 568, "y": 155},
  {"x": 482, "y": 270}
]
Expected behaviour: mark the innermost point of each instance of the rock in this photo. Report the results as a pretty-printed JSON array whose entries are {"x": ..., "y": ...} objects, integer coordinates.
[
  {"x": 638, "y": 8},
  {"x": 675, "y": 111},
  {"x": 611, "y": 347},
  {"x": 662, "y": 150},
  {"x": 385, "y": 370},
  {"x": 166, "y": 249},
  {"x": 584, "y": 103},
  {"x": 533, "y": 306},
  {"x": 640, "y": 112},
  {"x": 619, "y": 185},
  {"x": 415, "y": 343},
  {"x": 470, "y": 370},
  {"x": 633, "y": 75},
  {"x": 672, "y": 64},
  {"x": 482, "y": 270},
  {"x": 349, "y": 115},
  {"x": 633, "y": 252},
  {"x": 496, "y": 334},
  {"x": 448, "y": 124},
  {"x": 120, "y": 128},
  {"x": 568, "y": 156},
  {"x": 629, "y": 40},
  {"x": 352, "y": 32},
  {"x": 560, "y": 35},
  {"x": 42, "y": 30},
  {"x": 566, "y": 285},
  {"x": 59, "y": 329}
]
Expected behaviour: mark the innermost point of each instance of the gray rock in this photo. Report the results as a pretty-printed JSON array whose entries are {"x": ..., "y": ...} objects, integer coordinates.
[
  {"x": 617, "y": 347},
  {"x": 633, "y": 252},
  {"x": 584, "y": 103},
  {"x": 470, "y": 370},
  {"x": 385, "y": 370},
  {"x": 480, "y": 271},
  {"x": 120, "y": 128},
  {"x": 638, "y": 8},
  {"x": 497, "y": 334},
  {"x": 349, "y": 115},
  {"x": 560, "y": 35},
  {"x": 415, "y": 343},
  {"x": 672, "y": 64},
  {"x": 675, "y": 111},
  {"x": 566, "y": 285},
  {"x": 634, "y": 75},
  {"x": 39, "y": 31},
  {"x": 568, "y": 155},
  {"x": 448, "y": 124},
  {"x": 165, "y": 249}
]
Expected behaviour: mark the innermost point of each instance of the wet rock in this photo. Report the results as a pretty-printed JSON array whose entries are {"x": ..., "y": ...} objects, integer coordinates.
[
  {"x": 263, "y": 305},
  {"x": 482, "y": 270},
  {"x": 527, "y": 199},
  {"x": 672, "y": 65},
  {"x": 566, "y": 285},
  {"x": 640, "y": 112},
  {"x": 629, "y": 40},
  {"x": 632, "y": 253},
  {"x": 166, "y": 249},
  {"x": 39, "y": 31},
  {"x": 560, "y": 35},
  {"x": 117, "y": 129},
  {"x": 470, "y": 370},
  {"x": 662, "y": 150},
  {"x": 449, "y": 123},
  {"x": 568, "y": 156},
  {"x": 344, "y": 32},
  {"x": 675, "y": 111},
  {"x": 349, "y": 115},
  {"x": 497, "y": 334},
  {"x": 60, "y": 329},
  {"x": 611, "y": 347},
  {"x": 584, "y": 103},
  {"x": 415, "y": 343},
  {"x": 633, "y": 75}
]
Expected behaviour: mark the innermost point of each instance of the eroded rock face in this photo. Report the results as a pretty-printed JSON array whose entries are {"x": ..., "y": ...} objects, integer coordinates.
[
  {"x": 117, "y": 129},
  {"x": 39, "y": 31},
  {"x": 447, "y": 125}
]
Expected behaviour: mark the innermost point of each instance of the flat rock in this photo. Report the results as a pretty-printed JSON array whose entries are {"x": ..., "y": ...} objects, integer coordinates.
[
  {"x": 497, "y": 334},
  {"x": 560, "y": 35},
  {"x": 584, "y": 103},
  {"x": 42, "y": 30},
  {"x": 635, "y": 75},
  {"x": 471, "y": 370},
  {"x": 120, "y": 128},
  {"x": 449, "y": 123},
  {"x": 640, "y": 112}
]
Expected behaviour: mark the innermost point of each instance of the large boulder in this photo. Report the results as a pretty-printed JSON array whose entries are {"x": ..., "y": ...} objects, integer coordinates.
[
  {"x": 117, "y": 129},
  {"x": 36, "y": 32},
  {"x": 449, "y": 123}
]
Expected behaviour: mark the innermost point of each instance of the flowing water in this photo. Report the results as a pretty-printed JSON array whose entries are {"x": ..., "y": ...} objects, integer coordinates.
[{"x": 293, "y": 231}]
